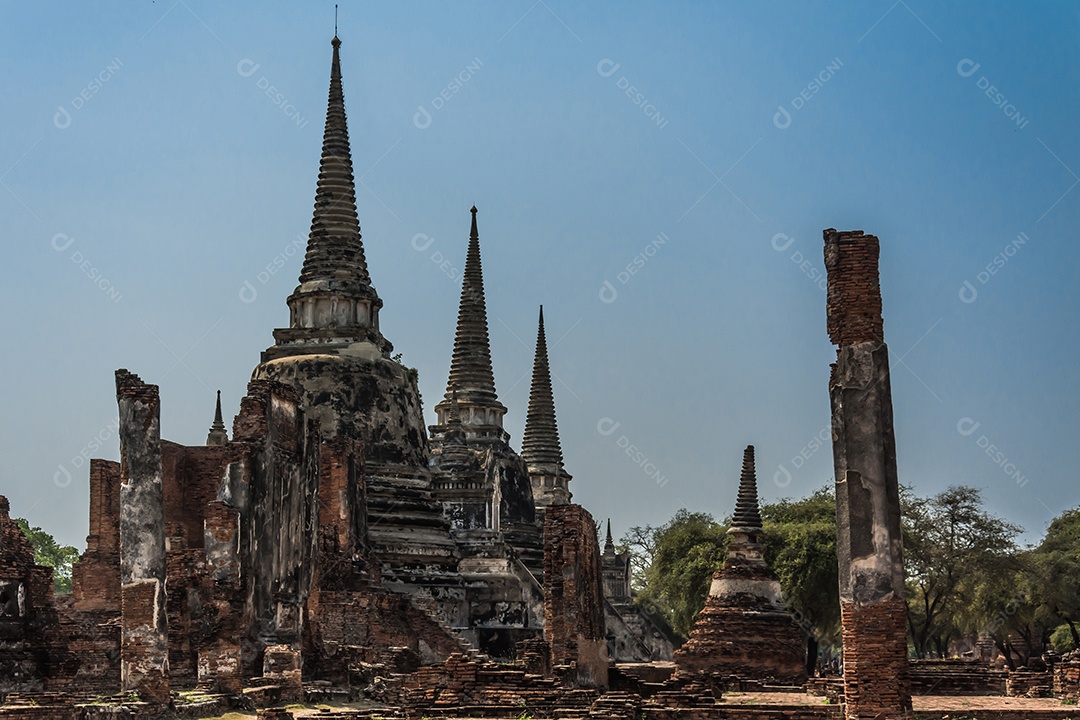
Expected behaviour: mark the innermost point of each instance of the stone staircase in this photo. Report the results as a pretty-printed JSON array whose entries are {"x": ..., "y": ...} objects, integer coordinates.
[{"x": 430, "y": 607}]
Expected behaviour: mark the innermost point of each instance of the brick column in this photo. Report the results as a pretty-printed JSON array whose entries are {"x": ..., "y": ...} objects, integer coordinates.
[
  {"x": 144, "y": 640},
  {"x": 869, "y": 546},
  {"x": 574, "y": 600}
]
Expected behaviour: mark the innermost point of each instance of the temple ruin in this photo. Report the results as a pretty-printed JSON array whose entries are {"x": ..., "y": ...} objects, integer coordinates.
[{"x": 329, "y": 547}]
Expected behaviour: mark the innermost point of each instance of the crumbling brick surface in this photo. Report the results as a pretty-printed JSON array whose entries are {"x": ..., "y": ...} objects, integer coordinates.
[
  {"x": 733, "y": 642},
  {"x": 95, "y": 577},
  {"x": 574, "y": 601},
  {"x": 88, "y": 658},
  {"x": 1024, "y": 683},
  {"x": 1067, "y": 679},
  {"x": 955, "y": 677},
  {"x": 854, "y": 294},
  {"x": 343, "y": 536},
  {"x": 534, "y": 656},
  {"x": 473, "y": 688},
  {"x": 374, "y": 620},
  {"x": 876, "y": 680},
  {"x": 281, "y": 484},
  {"x": 27, "y": 617}
]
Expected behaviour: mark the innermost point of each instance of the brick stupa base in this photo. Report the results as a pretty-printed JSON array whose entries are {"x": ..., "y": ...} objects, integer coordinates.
[{"x": 743, "y": 636}]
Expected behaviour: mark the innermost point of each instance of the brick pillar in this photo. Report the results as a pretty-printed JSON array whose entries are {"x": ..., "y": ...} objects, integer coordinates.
[
  {"x": 95, "y": 576},
  {"x": 144, "y": 639},
  {"x": 869, "y": 546},
  {"x": 573, "y": 595}
]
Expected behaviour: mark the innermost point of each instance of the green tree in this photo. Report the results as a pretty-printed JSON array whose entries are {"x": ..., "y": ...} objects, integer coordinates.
[
  {"x": 48, "y": 552},
  {"x": 1057, "y": 565},
  {"x": 1001, "y": 601},
  {"x": 686, "y": 552},
  {"x": 800, "y": 547},
  {"x": 951, "y": 546},
  {"x": 640, "y": 542}
]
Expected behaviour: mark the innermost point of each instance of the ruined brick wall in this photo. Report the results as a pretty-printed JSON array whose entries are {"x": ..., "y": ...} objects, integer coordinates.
[
  {"x": 95, "y": 577},
  {"x": 192, "y": 481},
  {"x": 343, "y": 541},
  {"x": 1067, "y": 679},
  {"x": 193, "y": 478},
  {"x": 489, "y": 690},
  {"x": 955, "y": 676},
  {"x": 219, "y": 656},
  {"x": 88, "y": 657},
  {"x": 1025, "y": 683},
  {"x": 574, "y": 603},
  {"x": 89, "y": 620},
  {"x": 853, "y": 303},
  {"x": 534, "y": 655},
  {"x": 239, "y": 521},
  {"x": 198, "y": 602},
  {"x": 365, "y": 623},
  {"x": 27, "y": 618}
]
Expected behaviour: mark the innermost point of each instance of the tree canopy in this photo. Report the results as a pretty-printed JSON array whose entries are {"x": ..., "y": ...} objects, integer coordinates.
[
  {"x": 682, "y": 556},
  {"x": 954, "y": 553},
  {"x": 48, "y": 552}
]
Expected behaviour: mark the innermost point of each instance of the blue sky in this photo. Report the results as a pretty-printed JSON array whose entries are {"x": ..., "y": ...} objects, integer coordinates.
[{"x": 656, "y": 174}]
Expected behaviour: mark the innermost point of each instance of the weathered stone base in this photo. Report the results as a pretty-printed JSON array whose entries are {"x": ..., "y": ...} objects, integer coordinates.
[{"x": 876, "y": 680}]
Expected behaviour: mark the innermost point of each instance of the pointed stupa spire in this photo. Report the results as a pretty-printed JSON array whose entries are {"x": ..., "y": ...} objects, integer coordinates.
[
  {"x": 540, "y": 443},
  {"x": 747, "y": 514},
  {"x": 334, "y": 250},
  {"x": 609, "y": 544},
  {"x": 335, "y": 291},
  {"x": 218, "y": 435},
  {"x": 471, "y": 376}
]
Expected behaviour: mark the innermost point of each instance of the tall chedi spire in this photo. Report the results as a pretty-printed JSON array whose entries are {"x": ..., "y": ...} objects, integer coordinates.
[
  {"x": 335, "y": 303},
  {"x": 747, "y": 517},
  {"x": 540, "y": 445},
  {"x": 471, "y": 377}
]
